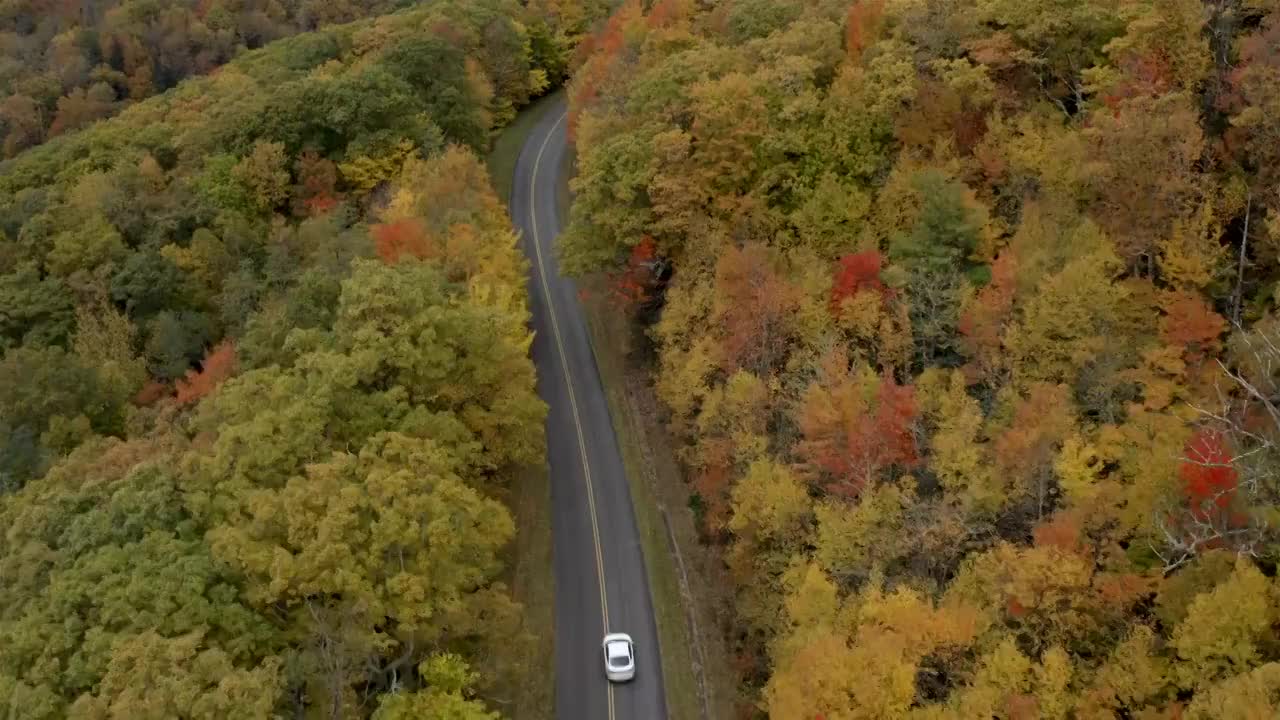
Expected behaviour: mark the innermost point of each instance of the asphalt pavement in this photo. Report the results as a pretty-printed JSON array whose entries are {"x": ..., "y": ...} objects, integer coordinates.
[{"x": 600, "y": 581}]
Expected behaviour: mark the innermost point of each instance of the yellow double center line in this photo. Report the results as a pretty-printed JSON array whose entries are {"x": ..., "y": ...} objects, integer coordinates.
[{"x": 568, "y": 382}]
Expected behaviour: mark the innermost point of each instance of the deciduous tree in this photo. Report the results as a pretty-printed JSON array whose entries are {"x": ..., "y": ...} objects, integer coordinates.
[{"x": 855, "y": 426}]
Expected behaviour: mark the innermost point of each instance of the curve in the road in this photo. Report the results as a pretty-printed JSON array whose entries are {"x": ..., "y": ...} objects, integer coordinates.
[{"x": 600, "y": 578}]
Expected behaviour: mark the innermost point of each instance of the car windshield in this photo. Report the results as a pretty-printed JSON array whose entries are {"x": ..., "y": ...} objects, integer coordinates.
[{"x": 618, "y": 661}]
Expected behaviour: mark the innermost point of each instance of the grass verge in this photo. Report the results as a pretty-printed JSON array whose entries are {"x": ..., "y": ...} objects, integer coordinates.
[
  {"x": 506, "y": 147},
  {"x": 531, "y": 693}
]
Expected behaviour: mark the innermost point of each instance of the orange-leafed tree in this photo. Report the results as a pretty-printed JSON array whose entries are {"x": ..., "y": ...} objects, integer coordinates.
[
  {"x": 984, "y": 316},
  {"x": 1190, "y": 325},
  {"x": 862, "y": 26},
  {"x": 667, "y": 14},
  {"x": 151, "y": 393},
  {"x": 401, "y": 239},
  {"x": 1026, "y": 449},
  {"x": 598, "y": 55},
  {"x": 754, "y": 310},
  {"x": 1146, "y": 172},
  {"x": 218, "y": 365}
]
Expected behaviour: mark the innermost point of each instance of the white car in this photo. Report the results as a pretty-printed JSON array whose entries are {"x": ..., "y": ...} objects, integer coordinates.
[{"x": 619, "y": 657}]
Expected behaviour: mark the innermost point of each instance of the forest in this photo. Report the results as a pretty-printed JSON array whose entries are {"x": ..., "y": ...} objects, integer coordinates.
[
  {"x": 264, "y": 377},
  {"x": 64, "y": 65},
  {"x": 964, "y": 317}
]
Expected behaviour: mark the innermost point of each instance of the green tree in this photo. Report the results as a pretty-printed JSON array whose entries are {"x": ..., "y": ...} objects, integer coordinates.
[
  {"x": 392, "y": 540},
  {"x": 85, "y": 247},
  {"x": 37, "y": 310},
  {"x": 947, "y": 231},
  {"x": 1071, "y": 321},
  {"x": 175, "y": 341},
  {"x": 106, "y": 532},
  {"x": 400, "y": 332},
  {"x": 447, "y": 679},
  {"x": 437, "y": 71},
  {"x": 147, "y": 283},
  {"x": 50, "y": 399},
  {"x": 105, "y": 339}
]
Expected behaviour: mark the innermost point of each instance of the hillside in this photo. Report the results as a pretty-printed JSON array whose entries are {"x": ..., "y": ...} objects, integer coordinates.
[
  {"x": 265, "y": 386},
  {"x": 65, "y": 65},
  {"x": 964, "y": 318}
]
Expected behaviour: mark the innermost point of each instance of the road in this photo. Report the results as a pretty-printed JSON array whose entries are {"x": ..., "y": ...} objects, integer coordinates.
[{"x": 600, "y": 580}]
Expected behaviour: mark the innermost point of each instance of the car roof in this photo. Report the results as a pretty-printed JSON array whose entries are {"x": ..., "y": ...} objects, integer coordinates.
[{"x": 617, "y": 648}]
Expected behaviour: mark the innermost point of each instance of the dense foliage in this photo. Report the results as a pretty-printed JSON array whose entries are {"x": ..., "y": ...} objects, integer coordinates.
[
  {"x": 64, "y": 65},
  {"x": 966, "y": 320},
  {"x": 254, "y": 454}
]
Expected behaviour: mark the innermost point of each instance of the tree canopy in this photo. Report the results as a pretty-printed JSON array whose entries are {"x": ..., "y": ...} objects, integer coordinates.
[
  {"x": 265, "y": 384},
  {"x": 966, "y": 324}
]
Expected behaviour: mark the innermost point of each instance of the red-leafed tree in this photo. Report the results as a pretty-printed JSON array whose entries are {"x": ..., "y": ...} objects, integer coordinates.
[
  {"x": 854, "y": 426},
  {"x": 1213, "y": 513},
  {"x": 1228, "y": 465},
  {"x": 712, "y": 481},
  {"x": 1148, "y": 74},
  {"x": 219, "y": 364},
  {"x": 631, "y": 286},
  {"x": 403, "y": 238},
  {"x": 856, "y": 273},
  {"x": 1209, "y": 477}
]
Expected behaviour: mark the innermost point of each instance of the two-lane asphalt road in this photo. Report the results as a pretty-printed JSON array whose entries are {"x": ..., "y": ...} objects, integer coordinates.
[{"x": 600, "y": 580}]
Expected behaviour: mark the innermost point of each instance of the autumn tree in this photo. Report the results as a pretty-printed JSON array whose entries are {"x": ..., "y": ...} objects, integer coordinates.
[
  {"x": 754, "y": 304},
  {"x": 219, "y": 364},
  {"x": 265, "y": 175},
  {"x": 401, "y": 239},
  {"x": 155, "y": 677},
  {"x": 1039, "y": 239},
  {"x": 862, "y": 25},
  {"x": 1210, "y": 644},
  {"x": 1137, "y": 203},
  {"x": 857, "y": 273},
  {"x": 855, "y": 425},
  {"x": 448, "y": 680},
  {"x": 156, "y": 243}
]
